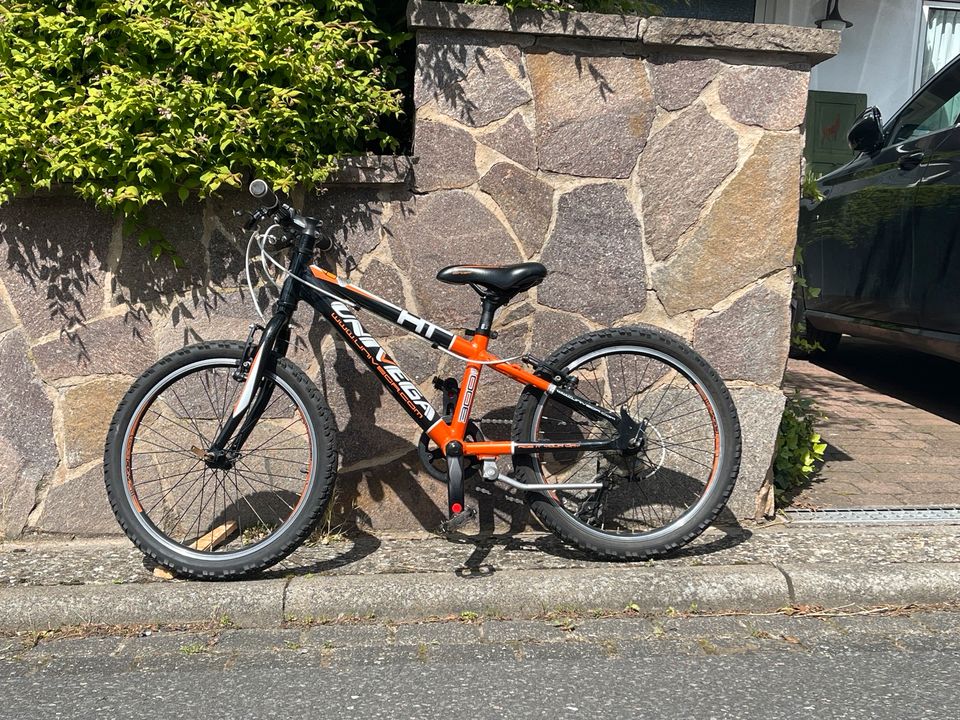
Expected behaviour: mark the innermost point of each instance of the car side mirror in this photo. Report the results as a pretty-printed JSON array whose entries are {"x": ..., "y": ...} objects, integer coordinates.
[{"x": 866, "y": 135}]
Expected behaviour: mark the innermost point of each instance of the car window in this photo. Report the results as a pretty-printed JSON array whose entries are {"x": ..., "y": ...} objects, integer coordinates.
[{"x": 936, "y": 108}]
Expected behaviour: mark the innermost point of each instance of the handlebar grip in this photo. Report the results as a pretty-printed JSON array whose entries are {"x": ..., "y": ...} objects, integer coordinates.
[{"x": 259, "y": 188}]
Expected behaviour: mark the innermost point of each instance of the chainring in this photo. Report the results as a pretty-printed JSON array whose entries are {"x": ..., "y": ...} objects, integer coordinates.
[{"x": 433, "y": 459}]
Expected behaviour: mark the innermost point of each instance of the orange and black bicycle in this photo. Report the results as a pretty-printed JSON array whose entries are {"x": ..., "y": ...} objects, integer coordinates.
[{"x": 221, "y": 458}]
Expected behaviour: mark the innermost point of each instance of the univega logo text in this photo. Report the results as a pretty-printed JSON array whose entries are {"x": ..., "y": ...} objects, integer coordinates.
[{"x": 378, "y": 357}]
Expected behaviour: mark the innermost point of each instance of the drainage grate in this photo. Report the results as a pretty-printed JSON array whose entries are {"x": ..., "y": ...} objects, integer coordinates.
[{"x": 875, "y": 516}]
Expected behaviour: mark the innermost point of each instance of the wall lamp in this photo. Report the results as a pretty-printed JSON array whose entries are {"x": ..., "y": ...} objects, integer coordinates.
[{"x": 833, "y": 21}]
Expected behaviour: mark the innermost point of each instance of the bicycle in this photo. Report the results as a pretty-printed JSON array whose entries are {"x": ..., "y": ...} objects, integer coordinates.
[{"x": 221, "y": 458}]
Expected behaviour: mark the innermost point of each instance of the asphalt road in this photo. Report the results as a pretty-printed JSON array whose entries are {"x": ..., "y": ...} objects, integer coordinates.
[{"x": 666, "y": 667}]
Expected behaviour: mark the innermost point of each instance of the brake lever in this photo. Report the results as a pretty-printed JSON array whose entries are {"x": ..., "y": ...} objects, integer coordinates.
[{"x": 255, "y": 217}]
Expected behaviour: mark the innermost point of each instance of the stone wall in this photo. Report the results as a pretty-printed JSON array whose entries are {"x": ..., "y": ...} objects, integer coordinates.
[{"x": 652, "y": 164}]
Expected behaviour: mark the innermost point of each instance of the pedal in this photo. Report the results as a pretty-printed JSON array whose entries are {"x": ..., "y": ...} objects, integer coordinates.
[{"x": 458, "y": 520}]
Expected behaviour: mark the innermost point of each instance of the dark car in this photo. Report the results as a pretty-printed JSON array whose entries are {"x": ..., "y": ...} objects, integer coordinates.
[{"x": 883, "y": 243}]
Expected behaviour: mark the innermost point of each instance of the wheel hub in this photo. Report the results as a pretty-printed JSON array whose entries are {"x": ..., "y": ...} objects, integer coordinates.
[{"x": 216, "y": 459}]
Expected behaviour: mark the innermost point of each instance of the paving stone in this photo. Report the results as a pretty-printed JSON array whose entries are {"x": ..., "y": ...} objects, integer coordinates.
[
  {"x": 750, "y": 232},
  {"x": 87, "y": 410},
  {"x": 523, "y": 631},
  {"x": 445, "y": 633},
  {"x": 54, "y": 260},
  {"x": 351, "y": 215},
  {"x": 595, "y": 255},
  {"x": 446, "y": 157},
  {"x": 526, "y": 201},
  {"x": 551, "y": 329},
  {"x": 606, "y": 99},
  {"x": 616, "y": 629},
  {"x": 141, "y": 279},
  {"x": 673, "y": 201},
  {"x": 760, "y": 411},
  {"x": 116, "y": 345},
  {"x": 447, "y": 228},
  {"x": 259, "y": 641},
  {"x": 678, "y": 81},
  {"x": 79, "y": 506},
  {"x": 676, "y": 33},
  {"x": 514, "y": 140},
  {"x": 469, "y": 82},
  {"x": 775, "y": 98},
  {"x": 750, "y": 339},
  {"x": 28, "y": 453},
  {"x": 7, "y": 321},
  {"x": 345, "y": 636}
]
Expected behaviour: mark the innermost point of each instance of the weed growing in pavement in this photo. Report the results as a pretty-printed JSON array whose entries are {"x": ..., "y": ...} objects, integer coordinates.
[
  {"x": 798, "y": 449},
  {"x": 194, "y": 648},
  {"x": 708, "y": 647}
]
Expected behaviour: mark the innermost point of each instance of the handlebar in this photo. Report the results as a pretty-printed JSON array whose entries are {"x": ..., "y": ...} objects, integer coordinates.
[{"x": 286, "y": 216}]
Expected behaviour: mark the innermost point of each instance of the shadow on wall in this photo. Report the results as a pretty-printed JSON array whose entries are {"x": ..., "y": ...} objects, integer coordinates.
[
  {"x": 373, "y": 426},
  {"x": 77, "y": 284}
]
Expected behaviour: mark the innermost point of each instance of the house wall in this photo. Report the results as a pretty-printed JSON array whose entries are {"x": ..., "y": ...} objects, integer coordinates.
[
  {"x": 878, "y": 55},
  {"x": 653, "y": 166}
]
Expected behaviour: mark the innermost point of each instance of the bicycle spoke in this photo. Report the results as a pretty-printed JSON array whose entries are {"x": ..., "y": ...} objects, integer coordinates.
[{"x": 185, "y": 497}]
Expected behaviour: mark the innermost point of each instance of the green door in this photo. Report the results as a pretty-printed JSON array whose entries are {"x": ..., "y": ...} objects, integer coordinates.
[{"x": 829, "y": 117}]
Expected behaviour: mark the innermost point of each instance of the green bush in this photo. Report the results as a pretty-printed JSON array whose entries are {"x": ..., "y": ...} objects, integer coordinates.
[
  {"x": 133, "y": 101},
  {"x": 798, "y": 448}
]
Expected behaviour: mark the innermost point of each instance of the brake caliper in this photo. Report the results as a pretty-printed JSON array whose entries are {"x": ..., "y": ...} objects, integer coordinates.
[{"x": 249, "y": 350}]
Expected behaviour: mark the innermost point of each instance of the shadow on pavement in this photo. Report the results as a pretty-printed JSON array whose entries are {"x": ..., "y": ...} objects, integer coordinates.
[
  {"x": 924, "y": 381},
  {"x": 475, "y": 566}
]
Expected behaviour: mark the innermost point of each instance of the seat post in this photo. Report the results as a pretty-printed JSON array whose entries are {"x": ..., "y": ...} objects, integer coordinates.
[{"x": 489, "y": 304}]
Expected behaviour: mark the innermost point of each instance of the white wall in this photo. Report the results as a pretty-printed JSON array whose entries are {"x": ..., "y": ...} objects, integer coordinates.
[{"x": 878, "y": 55}]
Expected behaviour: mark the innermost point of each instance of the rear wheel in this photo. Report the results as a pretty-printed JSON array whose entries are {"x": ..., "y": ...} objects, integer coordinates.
[
  {"x": 227, "y": 518},
  {"x": 667, "y": 490}
]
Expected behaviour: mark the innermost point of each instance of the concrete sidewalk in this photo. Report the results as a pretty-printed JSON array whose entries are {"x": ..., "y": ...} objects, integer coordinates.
[{"x": 47, "y": 584}]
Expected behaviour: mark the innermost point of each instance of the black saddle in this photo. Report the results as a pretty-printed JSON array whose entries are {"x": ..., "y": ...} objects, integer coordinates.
[{"x": 503, "y": 280}]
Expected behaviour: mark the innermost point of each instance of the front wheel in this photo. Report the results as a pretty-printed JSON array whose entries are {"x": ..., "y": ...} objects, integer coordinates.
[
  {"x": 658, "y": 495},
  {"x": 230, "y": 517}
]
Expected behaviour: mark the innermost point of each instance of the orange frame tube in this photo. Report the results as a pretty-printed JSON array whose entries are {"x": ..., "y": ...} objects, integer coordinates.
[{"x": 477, "y": 357}]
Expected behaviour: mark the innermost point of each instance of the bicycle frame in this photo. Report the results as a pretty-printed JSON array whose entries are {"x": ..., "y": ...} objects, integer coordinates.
[
  {"x": 332, "y": 297},
  {"x": 335, "y": 300}
]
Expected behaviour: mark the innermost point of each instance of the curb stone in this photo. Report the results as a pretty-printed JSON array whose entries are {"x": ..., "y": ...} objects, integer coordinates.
[
  {"x": 508, "y": 593},
  {"x": 841, "y": 584},
  {"x": 533, "y": 592},
  {"x": 257, "y": 603}
]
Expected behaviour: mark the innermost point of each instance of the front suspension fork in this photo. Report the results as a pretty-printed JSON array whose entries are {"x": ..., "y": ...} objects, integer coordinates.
[{"x": 257, "y": 389}]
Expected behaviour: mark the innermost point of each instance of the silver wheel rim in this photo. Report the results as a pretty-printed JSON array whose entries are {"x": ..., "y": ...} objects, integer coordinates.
[
  {"x": 707, "y": 494},
  {"x": 182, "y": 550}
]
